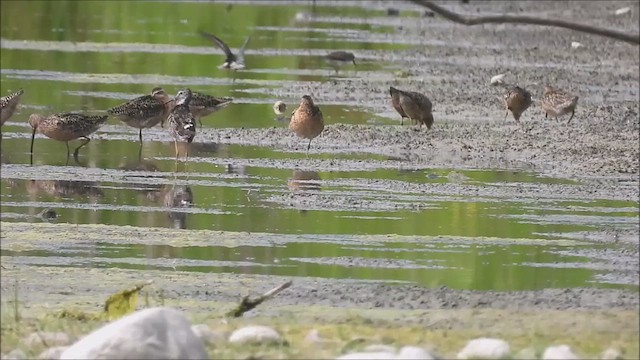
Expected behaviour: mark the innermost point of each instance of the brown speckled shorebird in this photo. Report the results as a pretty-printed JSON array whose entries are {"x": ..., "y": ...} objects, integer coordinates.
[
  {"x": 556, "y": 102},
  {"x": 66, "y": 127},
  {"x": 182, "y": 123},
  {"x": 413, "y": 105},
  {"x": 517, "y": 100},
  {"x": 306, "y": 120},
  {"x": 338, "y": 59},
  {"x": 395, "y": 101},
  {"x": 8, "y": 105},
  {"x": 232, "y": 61},
  {"x": 202, "y": 105},
  {"x": 145, "y": 111}
]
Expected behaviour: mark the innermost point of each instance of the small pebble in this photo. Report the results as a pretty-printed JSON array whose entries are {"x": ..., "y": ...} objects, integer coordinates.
[
  {"x": 52, "y": 353},
  {"x": 497, "y": 80},
  {"x": 575, "y": 45},
  {"x": 45, "y": 338},
  {"x": 560, "y": 352},
  {"x": 393, "y": 12},
  {"x": 623, "y": 11},
  {"x": 428, "y": 13},
  {"x": 255, "y": 334},
  {"x": 485, "y": 348}
]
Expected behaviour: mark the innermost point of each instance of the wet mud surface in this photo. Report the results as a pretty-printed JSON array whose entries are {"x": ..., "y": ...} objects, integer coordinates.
[{"x": 599, "y": 150}]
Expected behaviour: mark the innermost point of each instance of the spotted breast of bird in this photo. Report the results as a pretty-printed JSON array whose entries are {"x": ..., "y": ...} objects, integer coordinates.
[
  {"x": 182, "y": 123},
  {"x": 9, "y": 104},
  {"x": 306, "y": 120}
]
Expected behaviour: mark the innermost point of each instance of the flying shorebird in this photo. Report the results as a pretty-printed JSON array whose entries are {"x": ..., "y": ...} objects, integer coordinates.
[
  {"x": 338, "y": 59},
  {"x": 232, "y": 61},
  {"x": 306, "y": 120},
  {"x": 556, "y": 102}
]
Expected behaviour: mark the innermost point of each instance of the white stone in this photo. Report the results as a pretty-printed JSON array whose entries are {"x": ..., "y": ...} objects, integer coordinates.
[
  {"x": 611, "y": 354},
  {"x": 53, "y": 353},
  {"x": 485, "y": 348},
  {"x": 380, "y": 355},
  {"x": 623, "y": 10},
  {"x": 497, "y": 80},
  {"x": 15, "y": 354},
  {"x": 575, "y": 45},
  {"x": 208, "y": 336},
  {"x": 155, "y": 333},
  {"x": 379, "y": 348},
  {"x": 414, "y": 353},
  {"x": 255, "y": 334},
  {"x": 560, "y": 352},
  {"x": 45, "y": 338}
]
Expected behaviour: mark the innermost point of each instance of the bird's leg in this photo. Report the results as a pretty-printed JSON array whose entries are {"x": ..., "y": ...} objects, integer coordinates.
[
  {"x": 140, "y": 154},
  {"x": 140, "y": 137},
  {"x": 308, "y": 147},
  {"x": 66, "y": 142},
  {"x": 505, "y": 115},
  {"x": 85, "y": 141},
  {"x": 175, "y": 142},
  {"x": 572, "y": 113},
  {"x": 401, "y": 120},
  {"x": 200, "y": 122}
]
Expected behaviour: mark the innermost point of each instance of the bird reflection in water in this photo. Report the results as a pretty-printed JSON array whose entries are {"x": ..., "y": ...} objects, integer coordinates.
[
  {"x": 65, "y": 189},
  {"x": 175, "y": 198},
  {"x": 304, "y": 180}
]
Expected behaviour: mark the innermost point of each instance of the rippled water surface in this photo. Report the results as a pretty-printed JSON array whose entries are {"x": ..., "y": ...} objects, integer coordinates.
[{"x": 342, "y": 220}]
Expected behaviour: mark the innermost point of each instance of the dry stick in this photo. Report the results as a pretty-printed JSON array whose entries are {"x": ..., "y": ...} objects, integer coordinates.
[
  {"x": 246, "y": 304},
  {"x": 501, "y": 19}
]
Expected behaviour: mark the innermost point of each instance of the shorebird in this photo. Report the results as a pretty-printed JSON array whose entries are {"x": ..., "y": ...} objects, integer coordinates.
[
  {"x": 232, "y": 61},
  {"x": 182, "y": 123},
  {"x": 145, "y": 111},
  {"x": 556, "y": 102},
  {"x": 8, "y": 105},
  {"x": 202, "y": 105},
  {"x": 279, "y": 108},
  {"x": 338, "y": 59},
  {"x": 66, "y": 127},
  {"x": 395, "y": 101},
  {"x": 516, "y": 100},
  {"x": 306, "y": 120},
  {"x": 413, "y": 105}
]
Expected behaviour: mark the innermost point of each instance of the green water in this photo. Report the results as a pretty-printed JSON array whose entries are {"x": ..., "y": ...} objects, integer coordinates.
[{"x": 89, "y": 56}]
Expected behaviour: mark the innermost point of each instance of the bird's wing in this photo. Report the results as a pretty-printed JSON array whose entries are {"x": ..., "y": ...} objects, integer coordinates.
[
  {"x": 241, "y": 51},
  {"x": 220, "y": 44}
]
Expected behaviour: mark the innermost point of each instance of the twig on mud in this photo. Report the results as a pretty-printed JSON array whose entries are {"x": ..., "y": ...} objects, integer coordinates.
[
  {"x": 249, "y": 304},
  {"x": 514, "y": 19}
]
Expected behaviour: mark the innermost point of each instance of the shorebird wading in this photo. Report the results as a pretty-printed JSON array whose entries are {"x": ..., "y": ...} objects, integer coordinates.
[
  {"x": 182, "y": 123},
  {"x": 306, "y": 120},
  {"x": 556, "y": 102},
  {"x": 8, "y": 105},
  {"x": 413, "y": 105},
  {"x": 516, "y": 100}
]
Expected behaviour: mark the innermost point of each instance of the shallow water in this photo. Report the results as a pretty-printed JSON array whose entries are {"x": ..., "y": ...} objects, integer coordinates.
[{"x": 500, "y": 226}]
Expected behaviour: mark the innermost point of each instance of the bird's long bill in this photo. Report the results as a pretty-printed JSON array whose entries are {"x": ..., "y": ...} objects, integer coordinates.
[{"x": 33, "y": 136}]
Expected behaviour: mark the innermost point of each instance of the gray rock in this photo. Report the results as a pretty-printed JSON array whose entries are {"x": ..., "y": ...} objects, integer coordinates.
[
  {"x": 485, "y": 348},
  {"x": 560, "y": 352},
  {"x": 15, "y": 354},
  {"x": 208, "y": 336},
  {"x": 53, "y": 353},
  {"x": 46, "y": 338},
  {"x": 414, "y": 352},
  {"x": 255, "y": 334},
  {"x": 155, "y": 333}
]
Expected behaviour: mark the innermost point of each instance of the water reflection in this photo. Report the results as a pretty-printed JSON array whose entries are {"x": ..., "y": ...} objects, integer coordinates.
[
  {"x": 304, "y": 180},
  {"x": 65, "y": 189},
  {"x": 177, "y": 197}
]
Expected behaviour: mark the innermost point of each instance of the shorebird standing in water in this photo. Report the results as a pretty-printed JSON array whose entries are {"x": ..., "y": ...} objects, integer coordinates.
[
  {"x": 65, "y": 127},
  {"x": 306, "y": 120},
  {"x": 232, "y": 61},
  {"x": 202, "y": 105},
  {"x": 8, "y": 105},
  {"x": 413, "y": 105},
  {"x": 145, "y": 111},
  {"x": 182, "y": 123},
  {"x": 516, "y": 100},
  {"x": 338, "y": 59},
  {"x": 556, "y": 102}
]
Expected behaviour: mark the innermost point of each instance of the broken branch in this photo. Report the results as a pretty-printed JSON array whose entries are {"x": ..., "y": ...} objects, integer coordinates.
[
  {"x": 247, "y": 304},
  {"x": 514, "y": 19}
]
